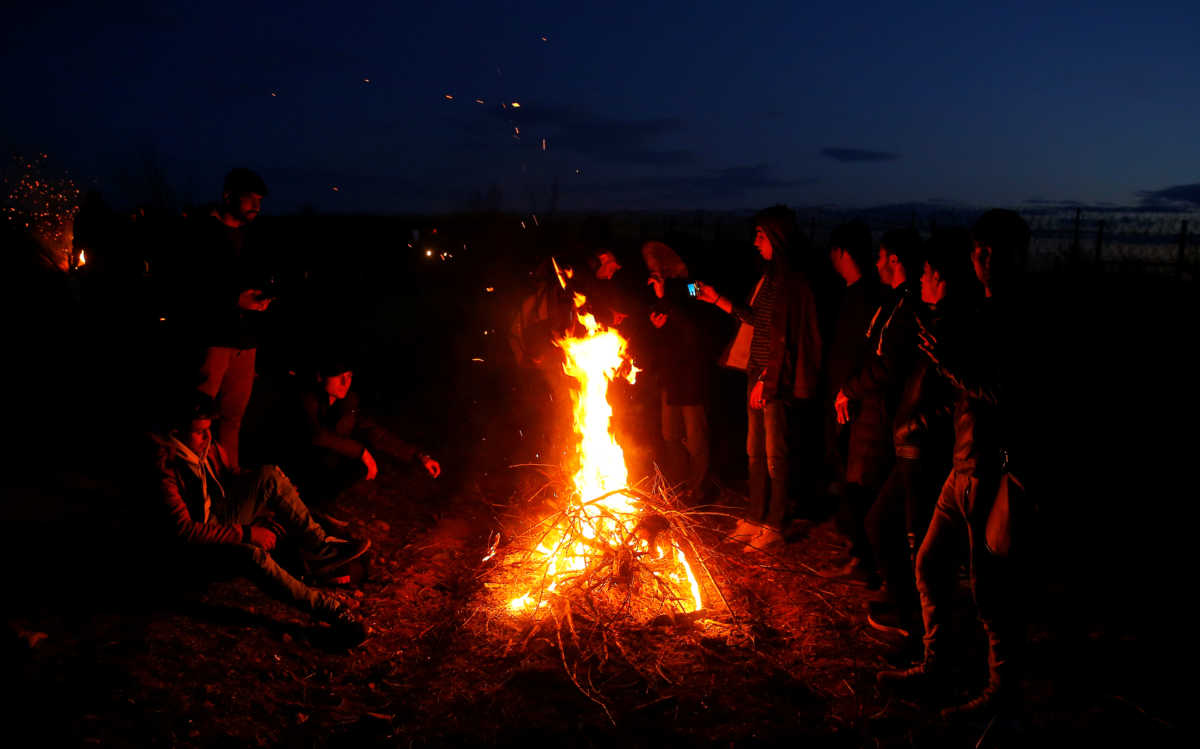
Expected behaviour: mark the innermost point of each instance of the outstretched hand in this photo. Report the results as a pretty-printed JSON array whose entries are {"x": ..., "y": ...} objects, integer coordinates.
[
  {"x": 841, "y": 404},
  {"x": 927, "y": 342},
  {"x": 262, "y": 537},
  {"x": 372, "y": 467},
  {"x": 757, "y": 400},
  {"x": 706, "y": 293},
  {"x": 254, "y": 300},
  {"x": 431, "y": 466}
]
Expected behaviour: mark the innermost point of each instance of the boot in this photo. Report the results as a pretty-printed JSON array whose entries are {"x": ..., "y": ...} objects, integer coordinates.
[
  {"x": 346, "y": 629},
  {"x": 922, "y": 676},
  {"x": 996, "y": 699}
]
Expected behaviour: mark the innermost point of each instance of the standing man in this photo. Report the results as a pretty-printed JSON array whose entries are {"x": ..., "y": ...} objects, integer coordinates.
[
  {"x": 680, "y": 360},
  {"x": 859, "y": 438},
  {"x": 222, "y": 286},
  {"x": 978, "y": 368},
  {"x": 784, "y": 363}
]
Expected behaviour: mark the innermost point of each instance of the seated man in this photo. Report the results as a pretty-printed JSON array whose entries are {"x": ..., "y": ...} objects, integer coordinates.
[
  {"x": 334, "y": 444},
  {"x": 224, "y": 519}
]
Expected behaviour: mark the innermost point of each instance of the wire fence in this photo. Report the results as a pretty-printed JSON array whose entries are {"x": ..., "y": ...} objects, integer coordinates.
[{"x": 1102, "y": 240}]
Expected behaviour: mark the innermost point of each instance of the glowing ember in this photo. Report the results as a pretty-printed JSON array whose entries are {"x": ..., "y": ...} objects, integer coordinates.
[{"x": 605, "y": 522}]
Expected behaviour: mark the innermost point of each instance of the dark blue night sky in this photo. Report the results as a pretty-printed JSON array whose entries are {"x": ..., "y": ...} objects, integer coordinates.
[{"x": 671, "y": 106}]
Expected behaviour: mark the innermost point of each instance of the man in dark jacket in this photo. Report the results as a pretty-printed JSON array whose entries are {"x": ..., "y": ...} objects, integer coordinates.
[
  {"x": 335, "y": 443},
  {"x": 784, "y": 363},
  {"x": 678, "y": 358},
  {"x": 230, "y": 520},
  {"x": 221, "y": 284},
  {"x": 858, "y": 444},
  {"x": 900, "y": 514},
  {"x": 977, "y": 368}
]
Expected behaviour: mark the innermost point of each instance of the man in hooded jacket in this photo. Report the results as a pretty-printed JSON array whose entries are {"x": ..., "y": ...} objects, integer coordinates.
[
  {"x": 784, "y": 363},
  {"x": 232, "y": 520}
]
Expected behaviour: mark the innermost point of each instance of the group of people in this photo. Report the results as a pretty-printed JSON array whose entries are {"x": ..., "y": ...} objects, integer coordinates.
[
  {"x": 218, "y": 514},
  {"x": 906, "y": 360}
]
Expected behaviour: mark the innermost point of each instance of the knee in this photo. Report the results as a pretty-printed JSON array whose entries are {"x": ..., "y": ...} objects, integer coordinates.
[{"x": 777, "y": 466}]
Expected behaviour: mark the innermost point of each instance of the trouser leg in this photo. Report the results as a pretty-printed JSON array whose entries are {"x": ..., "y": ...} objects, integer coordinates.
[
  {"x": 696, "y": 426},
  {"x": 775, "y": 429},
  {"x": 935, "y": 568},
  {"x": 269, "y": 490},
  {"x": 675, "y": 457},
  {"x": 262, "y": 569},
  {"x": 992, "y": 586},
  {"x": 887, "y": 532},
  {"x": 227, "y": 374},
  {"x": 756, "y": 451}
]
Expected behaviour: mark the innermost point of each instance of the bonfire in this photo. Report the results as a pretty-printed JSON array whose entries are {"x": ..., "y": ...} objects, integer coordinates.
[{"x": 609, "y": 551}]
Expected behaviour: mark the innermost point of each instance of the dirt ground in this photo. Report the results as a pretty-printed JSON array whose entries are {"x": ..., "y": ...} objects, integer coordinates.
[{"x": 225, "y": 665}]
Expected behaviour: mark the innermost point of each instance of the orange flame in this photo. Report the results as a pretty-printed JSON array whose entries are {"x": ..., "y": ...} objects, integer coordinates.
[{"x": 608, "y": 517}]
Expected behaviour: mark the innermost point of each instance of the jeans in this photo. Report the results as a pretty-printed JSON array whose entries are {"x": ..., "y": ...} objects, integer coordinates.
[
  {"x": 685, "y": 434},
  {"x": 767, "y": 449},
  {"x": 962, "y": 508},
  {"x": 252, "y": 495},
  {"x": 227, "y": 375},
  {"x": 902, "y": 507}
]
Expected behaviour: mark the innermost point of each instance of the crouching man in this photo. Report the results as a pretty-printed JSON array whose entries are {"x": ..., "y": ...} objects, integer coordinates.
[
  {"x": 229, "y": 520},
  {"x": 334, "y": 443}
]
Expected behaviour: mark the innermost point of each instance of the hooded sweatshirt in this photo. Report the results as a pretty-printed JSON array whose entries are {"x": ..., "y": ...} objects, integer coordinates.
[{"x": 187, "y": 485}]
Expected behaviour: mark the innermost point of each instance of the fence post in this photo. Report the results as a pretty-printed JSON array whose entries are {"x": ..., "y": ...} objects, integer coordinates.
[
  {"x": 1100, "y": 245},
  {"x": 1075, "y": 248},
  {"x": 1179, "y": 259}
]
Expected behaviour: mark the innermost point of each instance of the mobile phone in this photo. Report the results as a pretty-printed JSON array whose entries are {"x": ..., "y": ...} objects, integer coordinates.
[{"x": 691, "y": 288}]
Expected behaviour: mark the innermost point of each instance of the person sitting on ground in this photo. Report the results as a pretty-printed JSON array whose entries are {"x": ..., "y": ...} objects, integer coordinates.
[
  {"x": 223, "y": 520},
  {"x": 335, "y": 443}
]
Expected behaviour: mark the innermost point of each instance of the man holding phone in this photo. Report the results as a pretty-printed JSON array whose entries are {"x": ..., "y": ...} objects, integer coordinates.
[{"x": 222, "y": 285}]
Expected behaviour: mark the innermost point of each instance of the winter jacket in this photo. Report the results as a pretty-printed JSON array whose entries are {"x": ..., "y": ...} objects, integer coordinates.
[
  {"x": 793, "y": 368},
  {"x": 976, "y": 365},
  {"x": 213, "y": 266},
  {"x": 188, "y": 485},
  {"x": 342, "y": 428},
  {"x": 925, "y": 399}
]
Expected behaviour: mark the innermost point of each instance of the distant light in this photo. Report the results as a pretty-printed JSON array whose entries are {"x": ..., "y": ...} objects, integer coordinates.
[
  {"x": 479, "y": 101},
  {"x": 273, "y": 93},
  {"x": 335, "y": 188},
  {"x": 448, "y": 97},
  {"x": 516, "y": 105},
  {"x": 428, "y": 253},
  {"x": 544, "y": 39},
  {"x": 476, "y": 359},
  {"x": 489, "y": 289},
  {"x": 366, "y": 80}
]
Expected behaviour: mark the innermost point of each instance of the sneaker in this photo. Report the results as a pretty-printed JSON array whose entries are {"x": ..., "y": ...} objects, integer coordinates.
[
  {"x": 336, "y": 551},
  {"x": 856, "y": 572},
  {"x": 994, "y": 701},
  {"x": 325, "y": 520},
  {"x": 744, "y": 531},
  {"x": 766, "y": 537},
  {"x": 347, "y": 629},
  {"x": 885, "y": 617},
  {"x": 918, "y": 676}
]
